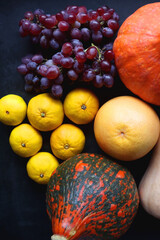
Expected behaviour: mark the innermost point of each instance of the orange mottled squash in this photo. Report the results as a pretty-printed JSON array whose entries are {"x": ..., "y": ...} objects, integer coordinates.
[
  {"x": 90, "y": 197},
  {"x": 137, "y": 54}
]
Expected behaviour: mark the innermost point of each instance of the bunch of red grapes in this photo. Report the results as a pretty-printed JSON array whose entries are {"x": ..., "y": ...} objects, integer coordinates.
[{"x": 81, "y": 41}]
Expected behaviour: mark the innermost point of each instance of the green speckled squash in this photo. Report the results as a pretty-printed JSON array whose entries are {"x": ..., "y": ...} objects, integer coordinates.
[{"x": 90, "y": 197}]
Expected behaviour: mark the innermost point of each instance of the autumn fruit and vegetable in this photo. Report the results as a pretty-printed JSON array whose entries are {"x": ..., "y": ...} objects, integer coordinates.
[{"x": 90, "y": 196}]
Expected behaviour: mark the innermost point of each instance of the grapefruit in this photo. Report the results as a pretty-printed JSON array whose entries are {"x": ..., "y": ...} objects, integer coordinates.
[{"x": 126, "y": 128}]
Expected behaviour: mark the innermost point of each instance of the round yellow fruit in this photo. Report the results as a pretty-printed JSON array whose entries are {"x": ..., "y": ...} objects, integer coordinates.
[
  {"x": 67, "y": 141},
  {"x": 12, "y": 109},
  {"x": 44, "y": 112},
  {"x": 41, "y": 166},
  {"x": 81, "y": 105},
  {"x": 25, "y": 140},
  {"x": 126, "y": 128}
]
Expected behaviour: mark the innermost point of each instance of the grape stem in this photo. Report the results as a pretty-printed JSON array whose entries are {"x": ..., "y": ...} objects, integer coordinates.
[{"x": 99, "y": 51}]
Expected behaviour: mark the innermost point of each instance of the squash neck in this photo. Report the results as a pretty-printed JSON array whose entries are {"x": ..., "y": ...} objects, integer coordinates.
[{"x": 58, "y": 237}]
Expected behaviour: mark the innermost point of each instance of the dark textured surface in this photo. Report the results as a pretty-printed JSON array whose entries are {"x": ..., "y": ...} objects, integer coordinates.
[{"x": 22, "y": 202}]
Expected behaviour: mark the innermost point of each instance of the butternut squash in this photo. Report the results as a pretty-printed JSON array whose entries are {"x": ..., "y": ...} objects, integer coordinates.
[{"x": 149, "y": 187}]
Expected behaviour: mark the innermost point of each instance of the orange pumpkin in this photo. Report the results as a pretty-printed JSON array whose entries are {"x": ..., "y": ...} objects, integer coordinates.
[{"x": 137, "y": 52}]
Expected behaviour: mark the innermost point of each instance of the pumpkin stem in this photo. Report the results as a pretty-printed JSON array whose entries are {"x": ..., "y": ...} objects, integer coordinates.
[{"x": 58, "y": 237}]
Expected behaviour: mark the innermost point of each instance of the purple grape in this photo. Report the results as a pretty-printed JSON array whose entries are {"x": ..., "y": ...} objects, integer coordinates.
[
  {"x": 67, "y": 62},
  {"x": 56, "y": 58},
  {"x": 113, "y": 70},
  {"x": 54, "y": 44},
  {"x": 36, "y": 81},
  {"x": 31, "y": 66},
  {"x": 107, "y": 32},
  {"x": 94, "y": 25},
  {"x": 45, "y": 83},
  {"x": 29, "y": 78},
  {"x": 72, "y": 75},
  {"x": 47, "y": 32},
  {"x": 26, "y": 25},
  {"x": 97, "y": 37},
  {"x": 59, "y": 79},
  {"x": 86, "y": 34},
  {"x": 22, "y": 69},
  {"x": 38, "y": 58},
  {"x": 56, "y": 91},
  {"x": 35, "y": 29},
  {"x": 89, "y": 75},
  {"x": 44, "y": 42},
  {"x": 38, "y": 11},
  {"x": 78, "y": 67},
  {"x": 98, "y": 81},
  {"x": 76, "y": 42},
  {"x": 76, "y": 33},
  {"x": 59, "y": 35},
  {"x": 108, "y": 80}
]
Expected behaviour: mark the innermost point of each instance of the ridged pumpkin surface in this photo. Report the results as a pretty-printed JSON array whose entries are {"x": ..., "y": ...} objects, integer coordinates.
[
  {"x": 136, "y": 50},
  {"x": 91, "y": 197}
]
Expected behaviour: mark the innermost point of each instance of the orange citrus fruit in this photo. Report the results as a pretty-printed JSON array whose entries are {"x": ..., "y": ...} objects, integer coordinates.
[
  {"x": 81, "y": 106},
  {"x": 67, "y": 141},
  {"x": 25, "y": 140},
  {"x": 13, "y": 109},
  {"x": 126, "y": 128},
  {"x": 44, "y": 112},
  {"x": 40, "y": 167}
]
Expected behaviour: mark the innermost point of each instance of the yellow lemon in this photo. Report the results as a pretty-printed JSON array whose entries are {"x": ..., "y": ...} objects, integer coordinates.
[
  {"x": 41, "y": 166},
  {"x": 25, "y": 140},
  {"x": 81, "y": 105},
  {"x": 126, "y": 128},
  {"x": 44, "y": 112},
  {"x": 67, "y": 141},
  {"x": 12, "y": 109}
]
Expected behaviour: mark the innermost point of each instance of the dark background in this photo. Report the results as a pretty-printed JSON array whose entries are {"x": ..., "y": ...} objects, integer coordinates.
[{"x": 22, "y": 202}]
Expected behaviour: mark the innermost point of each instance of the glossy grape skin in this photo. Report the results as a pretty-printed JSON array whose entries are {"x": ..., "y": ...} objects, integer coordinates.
[
  {"x": 31, "y": 65},
  {"x": 85, "y": 34},
  {"x": 89, "y": 75},
  {"x": 67, "y": 49},
  {"x": 45, "y": 83},
  {"x": 38, "y": 58},
  {"x": 76, "y": 33},
  {"x": 56, "y": 58},
  {"x": 108, "y": 80},
  {"x": 26, "y": 25},
  {"x": 105, "y": 65},
  {"x": 35, "y": 29},
  {"x": 67, "y": 62},
  {"x": 52, "y": 72},
  {"x": 72, "y": 75},
  {"x": 107, "y": 32},
  {"x": 29, "y": 15},
  {"x": 56, "y": 91},
  {"x": 81, "y": 57},
  {"x": 36, "y": 81},
  {"x": 98, "y": 81},
  {"x": 97, "y": 37},
  {"x": 59, "y": 79},
  {"x": 54, "y": 44},
  {"x": 63, "y": 26},
  {"x": 91, "y": 52},
  {"x": 29, "y": 78},
  {"x": 94, "y": 25},
  {"x": 22, "y": 69},
  {"x": 78, "y": 67}
]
